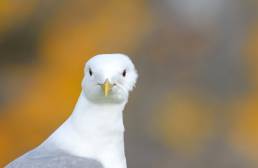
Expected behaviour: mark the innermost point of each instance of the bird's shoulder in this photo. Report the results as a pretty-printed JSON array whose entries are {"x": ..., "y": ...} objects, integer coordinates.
[{"x": 52, "y": 158}]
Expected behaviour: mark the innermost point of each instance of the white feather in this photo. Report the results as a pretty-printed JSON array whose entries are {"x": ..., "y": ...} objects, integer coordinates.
[{"x": 95, "y": 129}]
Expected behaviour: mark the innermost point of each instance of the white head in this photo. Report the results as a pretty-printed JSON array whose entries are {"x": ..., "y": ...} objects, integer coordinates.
[{"x": 108, "y": 78}]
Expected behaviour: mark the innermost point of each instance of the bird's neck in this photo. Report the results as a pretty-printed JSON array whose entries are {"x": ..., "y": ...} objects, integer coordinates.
[
  {"x": 95, "y": 130},
  {"x": 103, "y": 118}
]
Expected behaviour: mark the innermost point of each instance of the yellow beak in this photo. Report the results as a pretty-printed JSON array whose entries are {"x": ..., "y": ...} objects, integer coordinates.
[{"x": 106, "y": 87}]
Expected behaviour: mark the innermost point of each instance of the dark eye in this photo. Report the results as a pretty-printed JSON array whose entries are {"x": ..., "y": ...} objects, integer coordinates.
[
  {"x": 90, "y": 72},
  {"x": 124, "y": 73}
]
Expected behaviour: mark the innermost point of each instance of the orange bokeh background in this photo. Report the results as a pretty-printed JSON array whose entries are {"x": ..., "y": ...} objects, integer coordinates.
[{"x": 195, "y": 104}]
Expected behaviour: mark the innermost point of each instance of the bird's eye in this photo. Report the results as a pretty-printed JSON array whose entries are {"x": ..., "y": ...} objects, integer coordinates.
[
  {"x": 124, "y": 73},
  {"x": 90, "y": 72}
]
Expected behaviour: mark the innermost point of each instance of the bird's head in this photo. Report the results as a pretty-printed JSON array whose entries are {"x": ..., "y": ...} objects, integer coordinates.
[{"x": 108, "y": 78}]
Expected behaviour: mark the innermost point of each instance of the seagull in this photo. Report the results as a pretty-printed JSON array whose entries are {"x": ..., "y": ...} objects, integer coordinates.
[{"x": 93, "y": 135}]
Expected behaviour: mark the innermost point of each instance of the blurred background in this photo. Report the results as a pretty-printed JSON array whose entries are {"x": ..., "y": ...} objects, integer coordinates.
[{"x": 196, "y": 101}]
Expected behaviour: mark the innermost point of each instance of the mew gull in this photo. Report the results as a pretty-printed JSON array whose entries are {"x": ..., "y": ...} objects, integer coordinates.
[{"x": 93, "y": 136}]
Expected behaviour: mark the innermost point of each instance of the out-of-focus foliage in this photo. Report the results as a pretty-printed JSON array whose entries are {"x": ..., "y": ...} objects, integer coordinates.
[
  {"x": 245, "y": 134},
  {"x": 195, "y": 104},
  {"x": 14, "y": 12},
  {"x": 185, "y": 120}
]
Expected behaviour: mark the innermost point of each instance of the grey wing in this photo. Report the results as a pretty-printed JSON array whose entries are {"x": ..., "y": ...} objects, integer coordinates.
[{"x": 52, "y": 158}]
